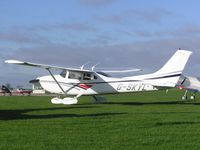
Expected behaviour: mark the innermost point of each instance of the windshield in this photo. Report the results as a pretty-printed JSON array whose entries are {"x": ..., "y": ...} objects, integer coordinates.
[{"x": 63, "y": 73}]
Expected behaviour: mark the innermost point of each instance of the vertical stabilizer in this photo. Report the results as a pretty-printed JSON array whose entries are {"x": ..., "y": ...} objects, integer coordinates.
[
  {"x": 170, "y": 73},
  {"x": 176, "y": 63}
]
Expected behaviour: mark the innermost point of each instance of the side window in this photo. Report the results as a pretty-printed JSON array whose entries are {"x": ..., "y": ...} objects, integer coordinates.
[
  {"x": 74, "y": 75},
  {"x": 88, "y": 76}
]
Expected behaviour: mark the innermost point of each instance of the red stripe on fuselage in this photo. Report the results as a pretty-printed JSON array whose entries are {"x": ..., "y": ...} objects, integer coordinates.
[{"x": 85, "y": 86}]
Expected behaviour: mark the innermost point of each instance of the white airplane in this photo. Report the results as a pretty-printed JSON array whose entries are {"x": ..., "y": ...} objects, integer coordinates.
[
  {"x": 80, "y": 81},
  {"x": 189, "y": 83}
]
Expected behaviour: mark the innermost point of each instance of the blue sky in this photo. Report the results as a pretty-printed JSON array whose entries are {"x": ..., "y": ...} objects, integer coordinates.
[{"x": 114, "y": 33}]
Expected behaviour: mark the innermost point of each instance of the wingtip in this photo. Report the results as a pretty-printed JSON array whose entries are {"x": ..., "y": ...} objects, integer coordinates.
[{"x": 13, "y": 62}]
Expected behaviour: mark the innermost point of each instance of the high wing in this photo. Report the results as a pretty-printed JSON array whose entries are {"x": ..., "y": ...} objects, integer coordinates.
[
  {"x": 17, "y": 62},
  {"x": 24, "y": 63}
]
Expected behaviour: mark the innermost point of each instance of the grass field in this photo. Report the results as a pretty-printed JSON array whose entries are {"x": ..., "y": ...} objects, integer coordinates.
[{"x": 151, "y": 120}]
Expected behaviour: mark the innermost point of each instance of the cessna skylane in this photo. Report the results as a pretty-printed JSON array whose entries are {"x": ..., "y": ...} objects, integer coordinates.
[{"x": 80, "y": 81}]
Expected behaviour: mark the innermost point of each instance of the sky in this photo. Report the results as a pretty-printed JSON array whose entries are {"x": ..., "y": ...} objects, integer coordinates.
[{"x": 114, "y": 33}]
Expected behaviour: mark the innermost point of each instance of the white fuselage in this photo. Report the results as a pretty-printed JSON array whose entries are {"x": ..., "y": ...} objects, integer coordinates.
[{"x": 103, "y": 84}]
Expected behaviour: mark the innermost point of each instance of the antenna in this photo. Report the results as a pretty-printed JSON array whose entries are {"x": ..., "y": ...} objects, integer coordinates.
[
  {"x": 84, "y": 65},
  {"x": 94, "y": 66}
]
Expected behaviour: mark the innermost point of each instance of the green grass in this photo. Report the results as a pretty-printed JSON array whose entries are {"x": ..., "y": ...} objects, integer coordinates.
[{"x": 150, "y": 120}]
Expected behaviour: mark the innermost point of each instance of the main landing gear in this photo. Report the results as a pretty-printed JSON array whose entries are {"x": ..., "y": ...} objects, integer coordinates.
[
  {"x": 185, "y": 96},
  {"x": 99, "y": 99}
]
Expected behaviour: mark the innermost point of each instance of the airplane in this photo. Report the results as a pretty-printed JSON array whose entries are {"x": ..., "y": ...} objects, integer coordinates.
[
  {"x": 5, "y": 90},
  {"x": 77, "y": 82},
  {"x": 10, "y": 91},
  {"x": 189, "y": 83}
]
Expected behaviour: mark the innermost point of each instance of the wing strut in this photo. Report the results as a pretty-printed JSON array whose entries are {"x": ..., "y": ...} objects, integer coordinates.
[{"x": 56, "y": 81}]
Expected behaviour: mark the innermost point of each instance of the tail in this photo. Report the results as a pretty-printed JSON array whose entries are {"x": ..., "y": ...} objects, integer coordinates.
[{"x": 170, "y": 73}]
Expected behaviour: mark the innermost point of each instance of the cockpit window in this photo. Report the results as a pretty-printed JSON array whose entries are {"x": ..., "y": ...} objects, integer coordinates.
[
  {"x": 63, "y": 73},
  {"x": 89, "y": 76},
  {"x": 74, "y": 75},
  {"x": 78, "y": 75}
]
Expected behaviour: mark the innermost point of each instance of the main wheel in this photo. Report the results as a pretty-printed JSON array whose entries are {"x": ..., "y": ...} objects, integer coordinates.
[
  {"x": 184, "y": 98},
  {"x": 192, "y": 97}
]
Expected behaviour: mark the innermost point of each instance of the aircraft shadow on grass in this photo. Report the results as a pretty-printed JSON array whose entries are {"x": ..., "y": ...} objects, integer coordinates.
[
  {"x": 154, "y": 103},
  {"x": 21, "y": 114},
  {"x": 173, "y": 123}
]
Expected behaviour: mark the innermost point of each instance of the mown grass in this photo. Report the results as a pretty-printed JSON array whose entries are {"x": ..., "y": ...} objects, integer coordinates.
[{"x": 150, "y": 120}]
